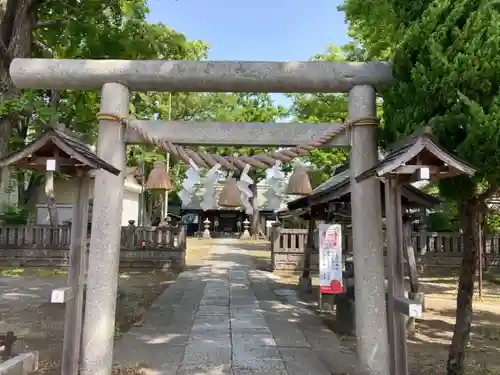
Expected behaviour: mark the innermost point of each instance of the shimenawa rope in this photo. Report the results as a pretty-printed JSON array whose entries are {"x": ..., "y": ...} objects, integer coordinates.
[{"x": 206, "y": 160}]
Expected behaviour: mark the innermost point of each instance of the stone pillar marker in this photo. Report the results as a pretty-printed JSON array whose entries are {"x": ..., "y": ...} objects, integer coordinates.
[
  {"x": 369, "y": 270},
  {"x": 102, "y": 279}
]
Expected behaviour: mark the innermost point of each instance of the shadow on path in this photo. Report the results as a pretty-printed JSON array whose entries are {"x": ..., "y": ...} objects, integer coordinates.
[{"x": 224, "y": 318}]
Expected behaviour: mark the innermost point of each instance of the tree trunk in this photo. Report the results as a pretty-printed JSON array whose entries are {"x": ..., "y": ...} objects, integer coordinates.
[
  {"x": 472, "y": 220},
  {"x": 21, "y": 175},
  {"x": 51, "y": 199},
  {"x": 16, "y": 23},
  {"x": 309, "y": 247},
  {"x": 5, "y": 132},
  {"x": 485, "y": 254}
]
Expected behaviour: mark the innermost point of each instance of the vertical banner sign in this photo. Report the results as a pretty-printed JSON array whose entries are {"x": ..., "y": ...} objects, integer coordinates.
[{"x": 330, "y": 259}]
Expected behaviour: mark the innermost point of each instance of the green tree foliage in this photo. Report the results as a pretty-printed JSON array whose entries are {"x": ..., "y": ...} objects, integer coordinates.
[
  {"x": 93, "y": 29},
  {"x": 322, "y": 108},
  {"x": 326, "y": 108},
  {"x": 445, "y": 220},
  {"x": 244, "y": 107},
  {"x": 447, "y": 72},
  {"x": 492, "y": 224},
  {"x": 115, "y": 30},
  {"x": 119, "y": 30}
]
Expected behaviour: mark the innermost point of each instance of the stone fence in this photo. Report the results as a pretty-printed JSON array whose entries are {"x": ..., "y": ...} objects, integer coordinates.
[
  {"x": 44, "y": 246},
  {"x": 432, "y": 249}
]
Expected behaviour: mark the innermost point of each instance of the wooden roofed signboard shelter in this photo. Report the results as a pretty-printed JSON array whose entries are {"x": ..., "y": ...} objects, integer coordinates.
[
  {"x": 52, "y": 151},
  {"x": 416, "y": 158},
  {"x": 56, "y": 150},
  {"x": 333, "y": 198}
]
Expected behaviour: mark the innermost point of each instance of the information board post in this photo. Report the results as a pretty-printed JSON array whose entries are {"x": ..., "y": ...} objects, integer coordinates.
[{"x": 330, "y": 261}]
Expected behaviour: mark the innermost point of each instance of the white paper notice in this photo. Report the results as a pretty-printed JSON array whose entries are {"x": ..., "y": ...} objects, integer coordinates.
[{"x": 330, "y": 259}]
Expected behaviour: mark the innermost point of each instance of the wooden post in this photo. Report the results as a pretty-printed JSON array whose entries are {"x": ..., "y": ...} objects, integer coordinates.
[
  {"x": 409, "y": 255},
  {"x": 305, "y": 280},
  {"x": 422, "y": 228},
  {"x": 395, "y": 275},
  {"x": 275, "y": 242},
  {"x": 481, "y": 261},
  {"x": 76, "y": 278},
  {"x": 398, "y": 304}
]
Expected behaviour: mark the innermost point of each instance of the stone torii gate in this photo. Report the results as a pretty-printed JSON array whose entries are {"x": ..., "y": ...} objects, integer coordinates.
[{"x": 116, "y": 78}]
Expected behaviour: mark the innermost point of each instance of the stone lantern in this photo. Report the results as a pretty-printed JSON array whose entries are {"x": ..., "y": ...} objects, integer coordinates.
[
  {"x": 206, "y": 232},
  {"x": 246, "y": 233}
]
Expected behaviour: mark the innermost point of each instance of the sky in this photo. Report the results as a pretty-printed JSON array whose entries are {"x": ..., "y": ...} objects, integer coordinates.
[{"x": 266, "y": 30}]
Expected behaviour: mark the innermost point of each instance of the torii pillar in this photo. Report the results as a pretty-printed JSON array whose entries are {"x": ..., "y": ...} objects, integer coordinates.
[
  {"x": 369, "y": 270},
  {"x": 102, "y": 279}
]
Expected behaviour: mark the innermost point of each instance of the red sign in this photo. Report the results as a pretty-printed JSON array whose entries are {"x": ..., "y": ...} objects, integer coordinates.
[{"x": 330, "y": 259}]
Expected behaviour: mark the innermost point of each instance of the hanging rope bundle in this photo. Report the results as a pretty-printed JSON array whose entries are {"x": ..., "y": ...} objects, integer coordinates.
[{"x": 205, "y": 160}]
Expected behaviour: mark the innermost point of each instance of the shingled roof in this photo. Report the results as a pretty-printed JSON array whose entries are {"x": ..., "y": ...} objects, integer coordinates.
[
  {"x": 419, "y": 150},
  {"x": 337, "y": 188},
  {"x": 73, "y": 153}
]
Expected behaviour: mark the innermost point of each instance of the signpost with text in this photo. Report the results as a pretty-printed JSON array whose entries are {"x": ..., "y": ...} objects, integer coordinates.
[{"x": 330, "y": 260}]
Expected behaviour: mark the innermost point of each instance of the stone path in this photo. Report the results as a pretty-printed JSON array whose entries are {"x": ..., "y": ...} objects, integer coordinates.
[{"x": 225, "y": 319}]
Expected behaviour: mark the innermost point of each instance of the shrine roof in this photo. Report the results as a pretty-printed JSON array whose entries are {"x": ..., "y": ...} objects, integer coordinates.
[
  {"x": 337, "y": 188},
  {"x": 419, "y": 150},
  {"x": 73, "y": 154}
]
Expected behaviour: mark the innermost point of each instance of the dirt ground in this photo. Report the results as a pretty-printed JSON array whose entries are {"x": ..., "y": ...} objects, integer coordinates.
[
  {"x": 428, "y": 348},
  {"x": 24, "y": 309},
  {"x": 39, "y": 325}
]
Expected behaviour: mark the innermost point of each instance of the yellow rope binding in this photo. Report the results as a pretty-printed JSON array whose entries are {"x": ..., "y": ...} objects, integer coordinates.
[{"x": 109, "y": 117}]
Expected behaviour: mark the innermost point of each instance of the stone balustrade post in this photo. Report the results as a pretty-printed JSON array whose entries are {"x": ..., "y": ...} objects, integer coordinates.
[{"x": 130, "y": 235}]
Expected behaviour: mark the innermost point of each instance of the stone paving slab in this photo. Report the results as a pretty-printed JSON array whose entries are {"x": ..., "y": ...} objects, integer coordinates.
[
  {"x": 308, "y": 332},
  {"x": 225, "y": 319},
  {"x": 302, "y": 361},
  {"x": 243, "y": 340},
  {"x": 218, "y": 352},
  {"x": 204, "y": 369}
]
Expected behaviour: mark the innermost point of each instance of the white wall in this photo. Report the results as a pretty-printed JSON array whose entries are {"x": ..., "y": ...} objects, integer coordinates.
[
  {"x": 65, "y": 189},
  {"x": 64, "y": 213},
  {"x": 130, "y": 207},
  {"x": 130, "y": 210}
]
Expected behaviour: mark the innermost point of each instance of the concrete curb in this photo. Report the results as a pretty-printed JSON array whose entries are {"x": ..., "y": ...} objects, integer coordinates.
[{"x": 21, "y": 364}]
